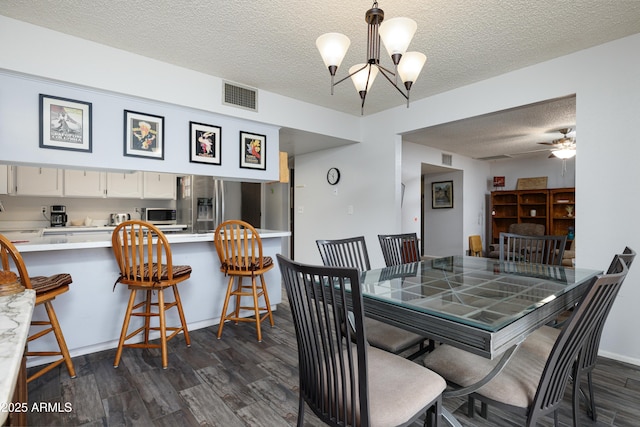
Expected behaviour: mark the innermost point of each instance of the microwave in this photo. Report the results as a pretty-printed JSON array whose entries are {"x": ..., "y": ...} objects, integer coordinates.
[{"x": 159, "y": 216}]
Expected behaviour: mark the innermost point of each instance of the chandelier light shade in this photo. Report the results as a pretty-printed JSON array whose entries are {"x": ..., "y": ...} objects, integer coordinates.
[
  {"x": 395, "y": 34},
  {"x": 333, "y": 47},
  {"x": 362, "y": 77},
  {"x": 410, "y": 66}
]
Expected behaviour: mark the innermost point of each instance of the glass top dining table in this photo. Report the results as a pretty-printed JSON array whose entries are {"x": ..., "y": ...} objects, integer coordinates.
[{"x": 480, "y": 305}]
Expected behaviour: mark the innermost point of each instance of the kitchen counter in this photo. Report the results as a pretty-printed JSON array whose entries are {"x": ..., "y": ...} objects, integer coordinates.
[
  {"x": 72, "y": 239},
  {"x": 15, "y": 319},
  {"x": 91, "y": 313}
]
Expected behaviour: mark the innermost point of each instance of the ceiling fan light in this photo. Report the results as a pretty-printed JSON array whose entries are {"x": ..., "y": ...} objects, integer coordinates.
[
  {"x": 564, "y": 153},
  {"x": 410, "y": 66},
  {"x": 396, "y": 34},
  {"x": 333, "y": 47},
  {"x": 360, "y": 77}
]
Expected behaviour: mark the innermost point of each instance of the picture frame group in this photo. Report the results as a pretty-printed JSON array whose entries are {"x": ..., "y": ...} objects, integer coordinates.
[{"x": 66, "y": 124}]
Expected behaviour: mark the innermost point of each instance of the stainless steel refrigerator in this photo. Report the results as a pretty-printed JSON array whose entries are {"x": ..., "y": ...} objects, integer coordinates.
[{"x": 203, "y": 202}]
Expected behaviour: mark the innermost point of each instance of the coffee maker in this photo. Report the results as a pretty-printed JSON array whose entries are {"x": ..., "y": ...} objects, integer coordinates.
[{"x": 58, "y": 216}]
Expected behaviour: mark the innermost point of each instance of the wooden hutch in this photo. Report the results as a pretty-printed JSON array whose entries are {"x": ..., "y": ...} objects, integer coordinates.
[{"x": 554, "y": 208}]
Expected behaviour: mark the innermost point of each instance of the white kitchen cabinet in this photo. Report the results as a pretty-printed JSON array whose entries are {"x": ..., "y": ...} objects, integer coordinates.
[
  {"x": 82, "y": 183},
  {"x": 124, "y": 185},
  {"x": 159, "y": 186},
  {"x": 36, "y": 181},
  {"x": 4, "y": 179}
]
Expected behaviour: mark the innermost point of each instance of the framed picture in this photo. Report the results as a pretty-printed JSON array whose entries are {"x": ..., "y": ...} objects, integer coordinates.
[
  {"x": 442, "y": 194},
  {"x": 205, "y": 143},
  {"x": 65, "y": 124},
  {"x": 143, "y": 135},
  {"x": 253, "y": 151}
]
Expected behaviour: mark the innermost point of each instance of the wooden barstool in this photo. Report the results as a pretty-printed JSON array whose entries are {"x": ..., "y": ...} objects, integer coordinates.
[
  {"x": 239, "y": 248},
  {"x": 47, "y": 289},
  {"x": 146, "y": 265}
]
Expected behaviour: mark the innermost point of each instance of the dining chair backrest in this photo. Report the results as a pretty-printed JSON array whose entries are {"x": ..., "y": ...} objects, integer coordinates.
[
  {"x": 399, "y": 248},
  {"x": 475, "y": 245},
  {"x": 589, "y": 354},
  {"x": 532, "y": 249},
  {"x": 332, "y": 370},
  {"x": 351, "y": 252},
  {"x": 593, "y": 307}
]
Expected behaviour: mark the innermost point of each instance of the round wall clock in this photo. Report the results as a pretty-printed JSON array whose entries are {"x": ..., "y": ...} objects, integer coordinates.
[{"x": 333, "y": 176}]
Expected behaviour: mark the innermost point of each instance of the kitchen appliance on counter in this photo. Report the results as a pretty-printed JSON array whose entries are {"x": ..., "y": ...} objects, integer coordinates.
[
  {"x": 159, "y": 216},
  {"x": 118, "y": 218},
  {"x": 58, "y": 215}
]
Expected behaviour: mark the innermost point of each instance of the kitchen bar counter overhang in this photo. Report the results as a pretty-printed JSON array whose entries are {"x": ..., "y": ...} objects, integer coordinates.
[{"x": 91, "y": 313}]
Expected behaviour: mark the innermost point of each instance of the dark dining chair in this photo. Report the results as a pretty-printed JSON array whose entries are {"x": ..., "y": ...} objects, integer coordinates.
[
  {"x": 352, "y": 252},
  {"x": 344, "y": 381},
  {"x": 532, "y": 249},
  {"x": 399, "y": 248},
  {"x": 589, "y": 354},
  {"x": 534, "y": 380}
]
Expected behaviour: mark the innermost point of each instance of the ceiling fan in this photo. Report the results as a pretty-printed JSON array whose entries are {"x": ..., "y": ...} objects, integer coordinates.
[{"x": 563, "y": 148}]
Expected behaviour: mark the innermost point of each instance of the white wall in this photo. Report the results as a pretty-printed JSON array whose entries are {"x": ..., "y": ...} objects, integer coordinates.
[{"x": 604, "y": 79}]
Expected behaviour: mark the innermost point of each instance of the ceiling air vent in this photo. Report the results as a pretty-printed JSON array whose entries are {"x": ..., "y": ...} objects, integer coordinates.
[
  {"x": 447, "y": 159},
  {"x": 240, "y": 96}
]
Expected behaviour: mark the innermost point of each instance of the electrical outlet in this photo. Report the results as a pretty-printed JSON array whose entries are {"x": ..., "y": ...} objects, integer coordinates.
[{"x": 43, "y": 209}]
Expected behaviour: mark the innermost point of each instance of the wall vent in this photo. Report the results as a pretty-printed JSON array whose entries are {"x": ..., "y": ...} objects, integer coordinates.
[
  {"x": 240, "y": 96},
  {"x": 447, "y": 159}
]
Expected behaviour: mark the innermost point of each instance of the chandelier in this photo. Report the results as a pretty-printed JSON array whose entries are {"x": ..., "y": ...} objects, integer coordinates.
[{"x": 396, "y": 34}]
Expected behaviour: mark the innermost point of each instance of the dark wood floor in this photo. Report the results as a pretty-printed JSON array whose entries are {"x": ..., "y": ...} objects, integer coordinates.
[{"x": 237, "y": 381}]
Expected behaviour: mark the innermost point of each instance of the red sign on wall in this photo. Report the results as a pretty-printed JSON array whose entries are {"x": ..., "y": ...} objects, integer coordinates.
[{"x": 498, "y": 181}]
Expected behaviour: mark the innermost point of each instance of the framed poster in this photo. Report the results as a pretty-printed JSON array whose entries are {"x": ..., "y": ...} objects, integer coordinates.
[
  {"x": 204, "y": 142},
  {"x": 65, "y": 124},
  {"x": 253, "y": 151},
  {"x": 143, "y": 135},
  {"x": 442, "y": 194}
]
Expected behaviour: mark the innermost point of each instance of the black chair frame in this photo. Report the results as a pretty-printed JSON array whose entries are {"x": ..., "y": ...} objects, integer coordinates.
[
  {"x": 560, "y": 365},
  {"x": 532, "y": 249},
  {"x": 334, "y": 378},
  {"x": 399, "y": 248}
]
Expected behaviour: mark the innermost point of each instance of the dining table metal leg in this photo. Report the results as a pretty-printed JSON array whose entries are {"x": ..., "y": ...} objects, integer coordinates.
[{"x": 450, "y": 418}]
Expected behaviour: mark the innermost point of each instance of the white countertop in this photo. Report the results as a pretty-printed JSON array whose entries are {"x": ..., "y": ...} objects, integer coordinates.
[
  {"x": 15, "y": 319},
  {"x": 34, "y": 242}
]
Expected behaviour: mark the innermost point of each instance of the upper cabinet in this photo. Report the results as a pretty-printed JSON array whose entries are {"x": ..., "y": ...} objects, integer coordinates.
[
  {"x": 124, "y": 185},
  {"x": 159, "y": 186},
  {"x": 81, "y": 183},
  {"x": 36, "y": 181},
  {"x": 4, "y": 179}
]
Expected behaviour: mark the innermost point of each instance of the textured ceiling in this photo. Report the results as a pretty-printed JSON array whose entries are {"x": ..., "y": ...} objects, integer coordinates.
[{"x": 271, "y": 45}]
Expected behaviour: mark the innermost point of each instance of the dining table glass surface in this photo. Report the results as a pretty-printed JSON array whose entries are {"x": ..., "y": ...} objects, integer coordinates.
[{"x": 483, "y": 293}]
